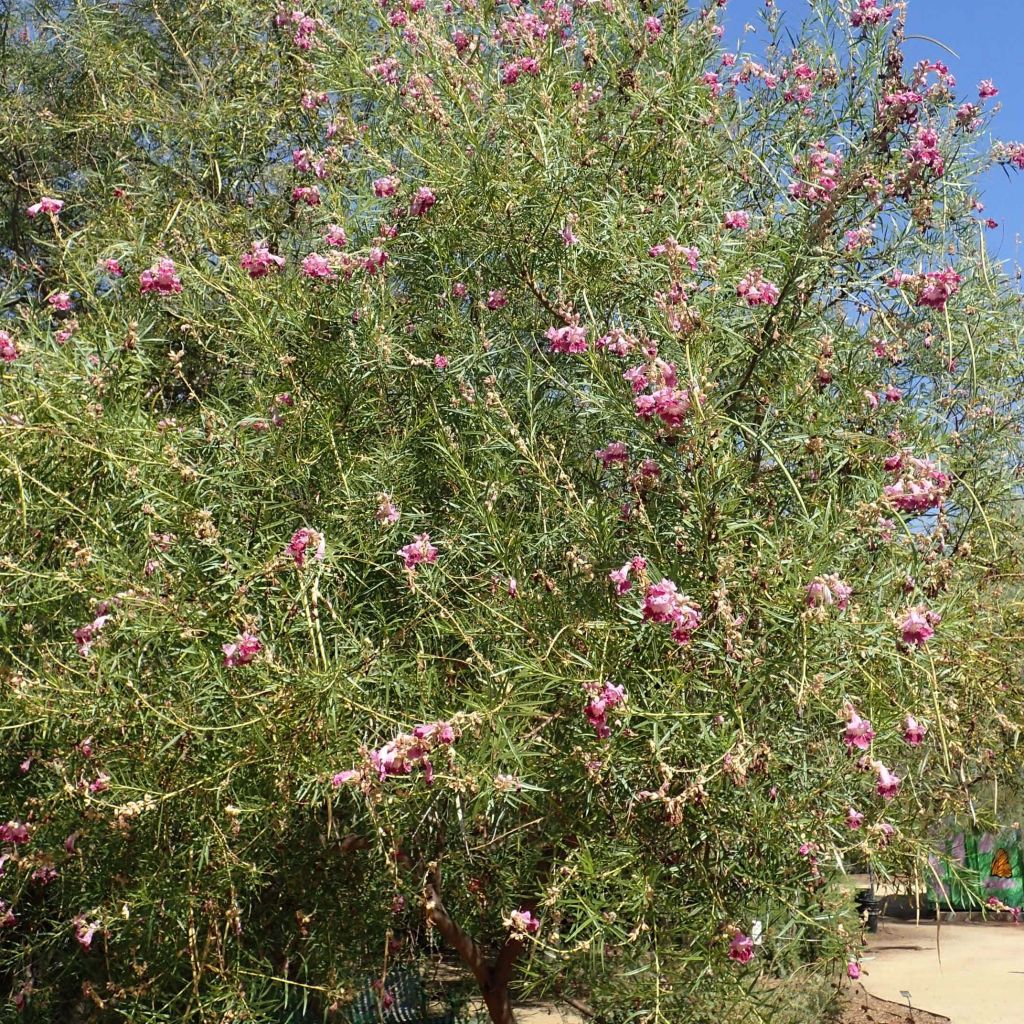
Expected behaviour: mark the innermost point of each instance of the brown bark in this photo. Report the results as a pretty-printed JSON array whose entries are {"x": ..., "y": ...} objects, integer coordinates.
[{"x": 494, "y": 977}]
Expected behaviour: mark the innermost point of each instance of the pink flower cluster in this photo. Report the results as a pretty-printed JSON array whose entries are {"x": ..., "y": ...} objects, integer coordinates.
[
  {"x": 305, "y": 27},
  {"x": 913, "y": 731},
  {"x": 673, "y": 250},
  {"x": 757, "y": 291},
  {"x": 1010, "y": 153},
  {"x": 422, "y": 202},
  {"x": 620, "y": 577},
  {"x": 612, "y": 453},
  {"x": 902, "y": 105},
  {"x": 737, "y": 220},
  {"x": 242, "y": 651},
  {"x": 404, "y": 753},
  {"x": 869, "y": 13},
  {"x": 161, "y": 279},
  {"x": 618, "y": 342},
  {"x": 601, "y": 702},
  {"x": 920, "y": 484},
  {"x": 936, "y": 288},
  {"x": 303, "y": 541},
  {"x": 665, "y": 605},
  {"x": 306, "y": 194},
  {"x": 260, "y": 261},
  {"x": 741, "y": 948},
  {"x": 17, "y": 833},
  {"x": 85, "y": 636},
  {"x": 924, "y": 152},
  {"x": 8, "y": 349},
  {"x": 569, "y": 340},
  {"x": 523, "y": 922},
  {"x": 318, "y": 268},
  {"x": 918, "y": 625},
  {"x": 511, "y": 72},
  {"x": 818, "y": 174},
  {"x": 45, "y": 205},
  {"x": 418, "y": 552},
  {"x": 824, "y": 591},
  {"x": 858, "y": 733},
  {"x": 888, "y": 784},
  {"x": 669, "y": 404},
  {"x": 387, "y": 513}
]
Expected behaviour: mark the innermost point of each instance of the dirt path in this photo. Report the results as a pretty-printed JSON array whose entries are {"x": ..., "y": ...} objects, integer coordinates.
[{"x": 969, "y": 971}]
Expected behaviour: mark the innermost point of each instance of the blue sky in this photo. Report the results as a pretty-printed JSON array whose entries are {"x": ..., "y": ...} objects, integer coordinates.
[{"x": 985, "y": 35}]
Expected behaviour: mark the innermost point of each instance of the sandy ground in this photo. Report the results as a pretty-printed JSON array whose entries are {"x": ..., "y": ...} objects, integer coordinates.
[{"x": 969, "y": 971}]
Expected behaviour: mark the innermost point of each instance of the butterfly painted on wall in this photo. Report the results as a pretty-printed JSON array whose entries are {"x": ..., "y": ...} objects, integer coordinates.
[{"x": 1001, "y": 865}]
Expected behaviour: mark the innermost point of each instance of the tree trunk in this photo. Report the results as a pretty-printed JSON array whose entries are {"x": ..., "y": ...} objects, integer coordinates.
[{"x": 499, "y": 1005}]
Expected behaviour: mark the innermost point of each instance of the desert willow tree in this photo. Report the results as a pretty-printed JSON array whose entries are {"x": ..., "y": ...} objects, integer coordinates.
[{"x": 509, "y": 481}]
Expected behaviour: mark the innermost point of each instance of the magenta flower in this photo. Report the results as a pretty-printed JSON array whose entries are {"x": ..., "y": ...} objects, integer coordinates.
[
  {"x": 920, "y": 486},
  {"x": 601, "y": 702},
  {"x": 8, "y": 349},
  {"x": 422, "y": 202},
  {"x": 375, "y": 260},
  {"x": 16, "y": 833},
  {"x": 824, "y": 591},
  {"x": 440, "y": 362},
  {"x": 853, "y": 970},
  {"x": 854, "y": 818},
  {"x": 45, "y": 205},
  {"x": 653, "y": 27},
  {"x": 113, "y": 268},
  {"x": 318, "y": 268},
  {"x": 620, "y": 579},
  {"x": 161, "y": 279},
  {"x": 737, "y": 220},
  {"x": 418, "y": 552},
  {"x": 937, "y": 287},
  {"x": 385, "y": 187},
  {"x": 669, "y": 404},
  {"x": 497, "y": 299},
  {"x": 618, "y": 342},
  {"x": 387, "y": 512},
  {"x": 869, "y": 13},
  {"x": 664, "y": 604},
  {"x": 523, "y": 922},
  {"x": 913, "y": 731},
  {"x": 569, "y": 340},
  {"x": 335, "y": 236},
  {"x": 888, "y": 782},
  {"x": 741, "y": 948},
  {"x": 917, "y": 625},
  {"x": 260, "y": 261},
  {"x": 757, "y": 291},
  {"x": 60, "y": 301},
  {"x": 84, "y": 932},
  {"x": 307, "y": 194},
  {"x": 242, "y": 651},
  {"x": 410, "y": 750},
  {"x": 987, "y": 89},
  {"x": 304, "y": 540},
  {"x": 858, "y": 734},
  {"x": 614, "y": 452},
  {"x": 86, "y": 635}
]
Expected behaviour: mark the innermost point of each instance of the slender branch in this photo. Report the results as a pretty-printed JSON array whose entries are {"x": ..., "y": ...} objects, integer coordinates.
[{"x": 463, "y": 944}]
